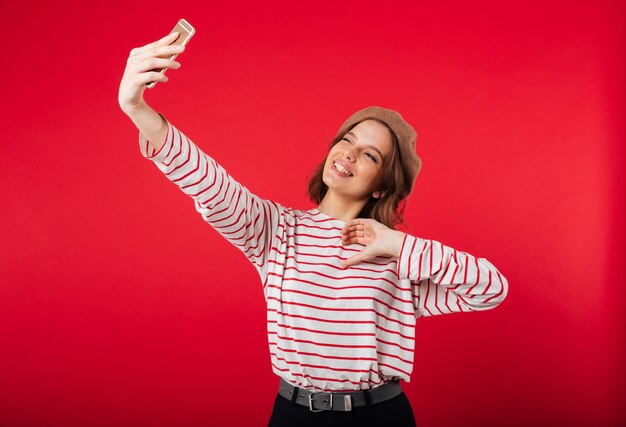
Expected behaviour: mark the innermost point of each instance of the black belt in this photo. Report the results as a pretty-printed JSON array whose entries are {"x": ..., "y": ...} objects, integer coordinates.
[{"x": 340, "y": 400}]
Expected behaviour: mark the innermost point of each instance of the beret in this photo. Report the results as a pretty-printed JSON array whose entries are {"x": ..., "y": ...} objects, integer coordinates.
[{"x": 411, "y": 162}]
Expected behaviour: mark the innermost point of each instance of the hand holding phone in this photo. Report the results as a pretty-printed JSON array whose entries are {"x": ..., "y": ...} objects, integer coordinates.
[
  {"x": 146, "y": 65},
  {"x": 185, "y": 32}
]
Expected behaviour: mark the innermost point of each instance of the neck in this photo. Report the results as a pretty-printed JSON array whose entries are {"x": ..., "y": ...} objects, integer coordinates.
[{"x": 340, "y": 208}]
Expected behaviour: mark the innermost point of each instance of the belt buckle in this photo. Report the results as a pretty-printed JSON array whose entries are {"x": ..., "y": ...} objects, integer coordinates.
[
  {"x": 319, "y": 410},
  {"x": 347, "y": 402}
]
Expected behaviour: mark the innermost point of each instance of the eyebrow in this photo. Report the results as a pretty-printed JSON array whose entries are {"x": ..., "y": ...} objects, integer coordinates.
[{"x": 367, "y": 145}]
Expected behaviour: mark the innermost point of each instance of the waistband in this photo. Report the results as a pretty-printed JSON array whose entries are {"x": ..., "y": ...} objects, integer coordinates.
[{"x": 338, "y": 400}]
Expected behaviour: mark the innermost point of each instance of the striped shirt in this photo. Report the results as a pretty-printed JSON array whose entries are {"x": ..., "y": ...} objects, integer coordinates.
[{"x": 329, "y": 328}]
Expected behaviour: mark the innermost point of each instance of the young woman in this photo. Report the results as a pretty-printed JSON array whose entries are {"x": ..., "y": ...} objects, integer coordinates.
[{"x": 343, "y": 287}]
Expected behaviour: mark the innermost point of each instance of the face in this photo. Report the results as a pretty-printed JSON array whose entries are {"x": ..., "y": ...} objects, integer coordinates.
[{"x": 362, "y": 152}]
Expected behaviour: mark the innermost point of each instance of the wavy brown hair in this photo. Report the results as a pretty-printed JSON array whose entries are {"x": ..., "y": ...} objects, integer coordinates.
[{"x": 388, "y": 209}]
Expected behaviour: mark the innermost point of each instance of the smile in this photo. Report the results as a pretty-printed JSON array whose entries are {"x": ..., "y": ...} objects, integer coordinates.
[{"x": 341, "y": 170}]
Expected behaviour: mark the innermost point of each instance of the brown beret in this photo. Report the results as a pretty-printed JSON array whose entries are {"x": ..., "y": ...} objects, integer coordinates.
[{"x": 411, "y": 162}]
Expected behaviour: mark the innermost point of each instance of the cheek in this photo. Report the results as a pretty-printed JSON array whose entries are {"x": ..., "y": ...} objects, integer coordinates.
[
  {"x": 331, "y": 155},
  {"x": 371, "y": 172},
  {"x": 374, "y": 176}
]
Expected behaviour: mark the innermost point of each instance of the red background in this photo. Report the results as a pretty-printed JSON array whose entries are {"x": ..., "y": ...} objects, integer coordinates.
[{"x": 120, "y": 306}]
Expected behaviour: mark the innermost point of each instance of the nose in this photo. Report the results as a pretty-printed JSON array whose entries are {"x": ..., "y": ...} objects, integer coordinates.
[{"x": 348, "y": 155}]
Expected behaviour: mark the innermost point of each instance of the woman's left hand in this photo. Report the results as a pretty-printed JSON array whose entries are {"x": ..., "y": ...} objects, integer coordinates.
[{"x": 378, "y": 239}]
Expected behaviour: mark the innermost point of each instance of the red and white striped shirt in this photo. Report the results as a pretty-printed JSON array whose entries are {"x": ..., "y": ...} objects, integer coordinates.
[{"x": 329, "y": 328}]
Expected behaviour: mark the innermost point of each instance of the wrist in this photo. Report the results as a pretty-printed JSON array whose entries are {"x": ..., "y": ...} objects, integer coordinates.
[
  {"x": 396, "y": 240},
  {"x": 131, "y": 109}
]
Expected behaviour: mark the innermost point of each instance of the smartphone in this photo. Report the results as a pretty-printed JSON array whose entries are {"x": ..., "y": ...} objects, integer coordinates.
[{"x": 185, "y": 32}]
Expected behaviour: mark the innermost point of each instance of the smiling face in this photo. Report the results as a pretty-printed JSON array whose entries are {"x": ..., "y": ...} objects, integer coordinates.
[{"x": 355, "y": 165}]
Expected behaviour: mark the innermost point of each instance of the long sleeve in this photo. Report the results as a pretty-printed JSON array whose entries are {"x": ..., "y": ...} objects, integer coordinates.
[
  {"x": 445, "y": 280},
  {"x": 241, "y": 217}
]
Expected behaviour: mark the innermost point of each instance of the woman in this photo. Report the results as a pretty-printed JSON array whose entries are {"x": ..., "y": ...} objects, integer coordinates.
[{"x": 343, "y": 287}]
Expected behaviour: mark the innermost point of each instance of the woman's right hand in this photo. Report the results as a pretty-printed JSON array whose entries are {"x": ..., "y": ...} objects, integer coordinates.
[{"x": 139, "y": 70}]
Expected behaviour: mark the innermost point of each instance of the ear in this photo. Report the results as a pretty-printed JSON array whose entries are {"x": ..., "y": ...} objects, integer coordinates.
[{"x": 378, "y": 194}]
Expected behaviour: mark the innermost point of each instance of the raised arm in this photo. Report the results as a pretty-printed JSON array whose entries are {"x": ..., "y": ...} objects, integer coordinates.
[
  {"x": 140, "y": 66},
  {"x": 241, "y": 217},
  {"x": 446, "y": 281}
]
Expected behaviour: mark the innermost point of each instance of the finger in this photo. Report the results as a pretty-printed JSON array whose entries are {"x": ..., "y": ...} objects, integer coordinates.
[
  {"x": 355, "y": 233},
  {"x": 170, "y": 49},
  {"x": 347, "y": 263},
  {"x": 352, "y": 261},
  {"x": 169, "y": 52},
  {"x": 151, "y": 77},
  {"x": 166, "y": 40},
  {"x": 351, "y": 238},
  {"x": 349, "y": 235},
  {"x": 157, "y": 63},
  {"x": 349, "y": 228},
  {"x": 161, "y": 42},
  {"x": 354, "y": 241}
]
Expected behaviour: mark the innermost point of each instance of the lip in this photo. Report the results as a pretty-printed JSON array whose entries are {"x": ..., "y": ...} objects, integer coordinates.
[
  {"x": 334, "y": 169},
  {"x": 345, "y": 166}
]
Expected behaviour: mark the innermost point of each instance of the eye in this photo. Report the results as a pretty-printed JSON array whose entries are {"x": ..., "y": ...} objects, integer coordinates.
[{"x": 367, "y": 154}]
